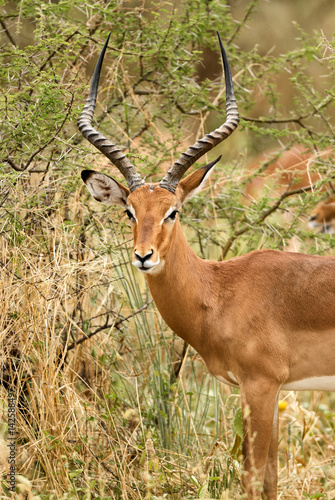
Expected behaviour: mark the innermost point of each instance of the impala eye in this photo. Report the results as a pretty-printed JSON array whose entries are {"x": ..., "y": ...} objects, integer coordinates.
[
  {"x": 172, "y": 215},
  {"x": 130, "y": 215}
]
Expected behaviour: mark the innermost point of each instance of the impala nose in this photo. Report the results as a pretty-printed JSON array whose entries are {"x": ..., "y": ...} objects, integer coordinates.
[{"x": 143, "y": 258}]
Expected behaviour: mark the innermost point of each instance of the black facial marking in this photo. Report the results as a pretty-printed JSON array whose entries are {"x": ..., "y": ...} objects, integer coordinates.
[
  {"x": 172, "y": 215},
  {"x": 130, "y": 215}
]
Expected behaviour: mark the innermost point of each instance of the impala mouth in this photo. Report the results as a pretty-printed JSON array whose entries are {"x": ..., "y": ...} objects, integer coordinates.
[
  {"x": 145, "y": 267},
  {"x": 148, "y": 267}
]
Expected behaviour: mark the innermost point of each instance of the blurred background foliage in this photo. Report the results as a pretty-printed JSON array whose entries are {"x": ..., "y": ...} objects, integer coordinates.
[{"x": 110, "y": 404}]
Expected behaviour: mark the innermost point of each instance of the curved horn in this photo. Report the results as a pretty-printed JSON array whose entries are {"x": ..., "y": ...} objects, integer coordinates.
[
  {"x": 176, "y": 172},
  {"x": 113, "y": 153}
]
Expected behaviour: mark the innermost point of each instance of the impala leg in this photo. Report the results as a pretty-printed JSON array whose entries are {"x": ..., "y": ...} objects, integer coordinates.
[
  {"x": 258, "y": 404},
  {"x": 271, "y": 470}
]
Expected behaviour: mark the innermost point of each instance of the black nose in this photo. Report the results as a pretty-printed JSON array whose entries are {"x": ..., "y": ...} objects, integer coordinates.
[{"x": 145, "y": 257}]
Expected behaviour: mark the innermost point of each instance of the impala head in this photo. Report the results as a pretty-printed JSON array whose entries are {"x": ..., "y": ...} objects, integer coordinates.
[
  {"x": 152, "y": 211},
  {"x": 152, "y": 208}
]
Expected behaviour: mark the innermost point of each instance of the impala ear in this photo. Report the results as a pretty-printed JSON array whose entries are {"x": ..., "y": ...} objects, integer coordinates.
[
  {"x": 194, "y": 182},
  {"x": 105, "y": 189}
]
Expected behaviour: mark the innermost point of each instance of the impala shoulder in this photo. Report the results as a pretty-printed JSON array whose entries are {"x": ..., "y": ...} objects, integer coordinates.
[{"x": 259, "y": 257}]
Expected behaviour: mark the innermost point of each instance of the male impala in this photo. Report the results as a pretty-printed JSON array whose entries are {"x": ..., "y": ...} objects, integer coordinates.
[{"x": 264, "y": 321}]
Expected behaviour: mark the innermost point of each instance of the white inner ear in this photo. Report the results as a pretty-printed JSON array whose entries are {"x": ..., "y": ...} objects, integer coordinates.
[
  {"x": 106, "y": 190},
  {"x": 201, "y": 185}
]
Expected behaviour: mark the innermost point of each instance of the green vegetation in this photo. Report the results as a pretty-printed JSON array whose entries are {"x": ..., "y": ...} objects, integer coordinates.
[{"x": 111, "y": 404}]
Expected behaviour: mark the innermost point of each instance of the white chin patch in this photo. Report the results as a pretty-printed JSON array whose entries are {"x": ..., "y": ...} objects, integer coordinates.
[{"x": 149, "y": 267}]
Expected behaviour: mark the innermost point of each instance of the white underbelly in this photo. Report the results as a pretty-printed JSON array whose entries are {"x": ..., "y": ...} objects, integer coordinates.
[
  {"x": 306, "y": 384},
  {"x": 311, "y": 384}
]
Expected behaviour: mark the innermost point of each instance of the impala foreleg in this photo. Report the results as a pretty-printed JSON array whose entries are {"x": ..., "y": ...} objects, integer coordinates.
[
  {"x": 271, "y": 470},
  {"x": 259, "y": 446}
]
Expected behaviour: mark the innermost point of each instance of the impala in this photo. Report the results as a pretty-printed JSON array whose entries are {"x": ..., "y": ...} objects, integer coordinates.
[{"x": 264, "y": 321}]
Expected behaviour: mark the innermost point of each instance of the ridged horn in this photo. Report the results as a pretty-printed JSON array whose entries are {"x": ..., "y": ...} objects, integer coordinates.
[
  {"x": 113, "y": 153},
  {"x": 209, "y": 141}
]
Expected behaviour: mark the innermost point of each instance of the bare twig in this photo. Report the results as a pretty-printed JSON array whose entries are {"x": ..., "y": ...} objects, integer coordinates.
[
  {"x": 242, "y": 23},
  {"x": 179, "y": 364},
  {"x": 6, "y": 30},
  {"x": 107, "y": 325}
]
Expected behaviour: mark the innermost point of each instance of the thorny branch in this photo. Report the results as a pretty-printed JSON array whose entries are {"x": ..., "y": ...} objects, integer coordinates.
[
  {"x": 22, "y": 169},
  {"x": 55, "y": 52},
  {"x": 263, "y": 216},
  {"x": 297, "y": 120}
]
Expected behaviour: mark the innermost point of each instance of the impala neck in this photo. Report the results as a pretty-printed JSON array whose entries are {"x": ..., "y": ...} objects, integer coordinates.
[{"x": 180, "y": 290}]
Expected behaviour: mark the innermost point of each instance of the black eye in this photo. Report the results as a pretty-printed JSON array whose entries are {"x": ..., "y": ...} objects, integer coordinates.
[
  {"x": 172, "y": 215},
  {"x": 130, "y": 215}
]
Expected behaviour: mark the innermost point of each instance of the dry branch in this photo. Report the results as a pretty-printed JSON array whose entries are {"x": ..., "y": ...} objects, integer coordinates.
[{"x": 107, "y": 325}]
